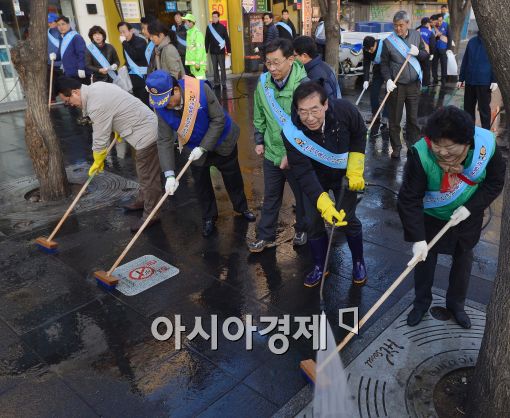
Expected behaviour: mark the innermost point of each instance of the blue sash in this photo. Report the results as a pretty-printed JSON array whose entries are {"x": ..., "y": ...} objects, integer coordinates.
[
  {"x": 101, "y": 59},
  {"x": 297, "y": 138},
  {"x": 217, "y": 36},
  {"x": 179, "y": 39},
  {"x": 285, "y": 26},
  {"x": 66, "y": 40},
  {"x": 148, "y": 51},
  {"x": 53, "y": 40},
  {"x": 133, "y": 68},
  {"x": 377, "y": 59},
  {"x": 484, "y": 148},
  {"x": 403, "y": 48}
]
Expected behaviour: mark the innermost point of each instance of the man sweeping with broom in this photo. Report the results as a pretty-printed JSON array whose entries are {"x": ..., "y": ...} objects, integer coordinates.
[{"x": 325, "y": 141}]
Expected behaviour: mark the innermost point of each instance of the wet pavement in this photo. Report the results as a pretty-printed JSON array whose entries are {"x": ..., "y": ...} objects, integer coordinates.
[{"x": 67, "y": 345}]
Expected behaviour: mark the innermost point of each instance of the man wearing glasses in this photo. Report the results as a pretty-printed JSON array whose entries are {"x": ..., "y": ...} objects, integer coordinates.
[
  {"x": 325, "y": 141},
  {"x": 275, "y": 88}
]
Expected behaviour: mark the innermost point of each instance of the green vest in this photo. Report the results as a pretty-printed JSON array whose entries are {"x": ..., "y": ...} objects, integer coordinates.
[{"x": 443, "y": 210}]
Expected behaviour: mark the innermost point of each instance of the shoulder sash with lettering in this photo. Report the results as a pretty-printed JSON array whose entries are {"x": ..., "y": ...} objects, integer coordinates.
[
  {"x": 179, "y": 39},
  {"x": 53, "y": 40},
  {"x": 403, "y": 48},
  {"x": 66, "y": 40},
  {"x": 133, "y": 68},
  {"x": 217, "y": 36},
  {"x": 285, "y": 26},
  {"x": 148, "y": 51},
  {"x": 297, "y": 138},
  {"x": 482, "y": 153},
  {"x": 190, "y": 110},
  {"x": 377, "y": 59},
  {"x": 101, "y": 59}
]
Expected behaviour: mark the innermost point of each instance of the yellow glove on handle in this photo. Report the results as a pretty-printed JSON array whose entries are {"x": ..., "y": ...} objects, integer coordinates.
[
  {"x": 328, "y": 211},
  {"x": 98, "y": 166},
  {"x": 118, "y": 138},
  {"x": 355, "y": 168}
]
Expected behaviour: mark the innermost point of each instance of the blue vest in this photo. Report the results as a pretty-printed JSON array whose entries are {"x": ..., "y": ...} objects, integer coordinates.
[
  {"x": 444, "y": 31},
  {"x": 173, "y": 119},
  {"x": 426, "y": 34}
]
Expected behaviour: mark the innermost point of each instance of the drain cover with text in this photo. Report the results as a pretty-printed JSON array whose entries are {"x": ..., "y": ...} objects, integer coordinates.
[{"x": 143, "y": 273}]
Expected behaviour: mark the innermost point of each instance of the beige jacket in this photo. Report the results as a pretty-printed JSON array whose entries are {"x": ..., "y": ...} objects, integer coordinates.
[
  {"x": 112, "y": 109},
  {"x": 167, "y": 58}
]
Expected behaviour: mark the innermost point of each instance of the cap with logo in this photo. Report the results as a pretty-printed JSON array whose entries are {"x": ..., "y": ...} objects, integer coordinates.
[{"x": 159, "y": 85}]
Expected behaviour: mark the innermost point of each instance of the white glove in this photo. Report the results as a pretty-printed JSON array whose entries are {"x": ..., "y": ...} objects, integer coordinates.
[
  {"x": 414, "y": 51},
  {"x": 256, "y": 50},
  {"x": 390, "y": 85},
  {"x": 81, "y": 73},
  {"x": 459, "y": 214},
  {"x": 113, "y": 67},
  {"x": 122, "y": 39},
  {"x": 431, "y": 57},
  {"x": 420, "y": 252},
  {"x": 196, "y": 153},
  {"x": 365, "y": 85},
  {"x": 171, "y": 185},
  {"x": 494, "y": 86},
  {"x": 53, "y": 56},
  {"x": 460, "y": 84}
]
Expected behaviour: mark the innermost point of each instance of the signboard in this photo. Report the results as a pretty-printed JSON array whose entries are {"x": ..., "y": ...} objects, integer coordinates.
[
  {"x": 256, "y": 28},
  {"x": 170, "y": 6},
  {"x": 261, "y": 5},
  {"x": 131, "y": 11},
  {"x": 219, "y": 6},
  {"x": 248, "y": 6}
]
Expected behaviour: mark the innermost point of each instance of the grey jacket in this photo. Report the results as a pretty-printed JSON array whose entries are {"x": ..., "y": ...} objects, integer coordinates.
[
  {"x": 392, "y": 59},
  {"x": 112, "y": 109},
  {"x": 167, "y": 136},
  {"x": 166, "y": 57}
]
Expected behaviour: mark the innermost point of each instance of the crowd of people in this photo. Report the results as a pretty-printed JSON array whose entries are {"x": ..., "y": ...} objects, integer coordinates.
[{"x": 306, "y": 134}]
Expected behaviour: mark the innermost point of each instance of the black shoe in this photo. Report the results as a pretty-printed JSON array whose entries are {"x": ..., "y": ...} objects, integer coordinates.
[
  {"x": 208, "y": 227},
  {"x": 396, "y": 153},
  {"x": 133, "y": 206},
  {"x": 462, "y": 319},
  {"x": 415, "y": 317},
  {"x": 260, "y": 245},
  {"x": 300, "y": 238},
  {"x": 249, "y": 216}
]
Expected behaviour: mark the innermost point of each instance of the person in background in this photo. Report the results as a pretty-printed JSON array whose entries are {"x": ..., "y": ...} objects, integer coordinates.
[
  {"x": 165, "y": 57},
  {"x": 144, "y": 23},
  {"x": 270, "y": 33},
  {"x": 429, "y": 38},
  {"x": 196, "y": 57},
  {"x": 72, "y": 51},
  {"x": 452, "y": 174},
  {"x": 443, "y": 43},
  {"x": 372, "y": 49},
  {"x": 477, "y": 78},
  {"x": 285, "y": 26},
  {"x": 317, "y": 70},
  {"x": 446, "y": 15},
  {"x": 53, "y": 50},
  {"x": 180, "y": 30},
  {"x": 134, "y": 49},
  {"x": 101, "y": 60},
  {"x": 217, "y": 43}
]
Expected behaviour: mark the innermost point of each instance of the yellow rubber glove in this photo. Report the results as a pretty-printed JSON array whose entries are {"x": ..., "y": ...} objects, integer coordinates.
[
  {"x": 118, "y": 137},
  {"x": 98, "y": 166},
  {"x": 328, "y": 211},
  {"x": 355, "y": 168}
]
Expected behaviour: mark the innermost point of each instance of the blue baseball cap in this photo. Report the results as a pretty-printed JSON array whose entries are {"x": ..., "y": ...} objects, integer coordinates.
[
  {"x": 159, "y": 85},
  {"x": 52, "y": 17}
]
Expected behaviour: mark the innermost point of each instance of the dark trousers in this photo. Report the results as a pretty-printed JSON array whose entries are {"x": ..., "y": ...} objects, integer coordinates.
[
  {"x": 462, "y": 261},
  {"x": 482, "y": 96},
  {"x": 425, "y": 68},
  {"x": 440, "y": 57},
  {"x": 149, "y": 177},
  {"x": 228, "y": 166},
  {"x": 316, "y": 224},
  {"x": 219, "y": 59},
  {"x": 408, "y": 95},
  {"x": 274, "y": 183},
  {"x": 375, "y": 93}
]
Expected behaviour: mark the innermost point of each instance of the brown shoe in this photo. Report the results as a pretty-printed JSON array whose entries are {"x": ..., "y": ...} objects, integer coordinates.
[
  {"x": 133, "y": 206},
  {"x": 135, "y": 226}
]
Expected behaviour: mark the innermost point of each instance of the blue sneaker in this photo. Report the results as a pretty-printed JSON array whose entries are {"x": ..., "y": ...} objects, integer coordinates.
[
  {"x": 314, "y": 277},
  {"x": 359, "y": 273}
]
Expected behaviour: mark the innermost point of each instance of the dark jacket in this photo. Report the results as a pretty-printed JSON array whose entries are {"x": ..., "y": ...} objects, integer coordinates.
[
  {"x": 212, "y": 45},
  {"x": 344, "y": 131},
  {"x": 270, "y": 33},
  {"x": 318, "y": 70},
  {"x": 74, "y": 57},
  {"x": 54, "y": 49},
  {"x": 180, "y": 31},
  {"x": 93, "y": 65},
  {"x": 419, "y": 226},
  {"x": 136, "y": 50},
  {"x": 476, "y": 68},
  {"x": 284, "y": 33},
  {"x": 392, "y": 59},
  {"x": 367, "y": 60}
]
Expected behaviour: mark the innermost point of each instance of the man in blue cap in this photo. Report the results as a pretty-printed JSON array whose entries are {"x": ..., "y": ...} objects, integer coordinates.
[
  {"x": 53, "y": 48},
  {"x": 205, "y": 130}
]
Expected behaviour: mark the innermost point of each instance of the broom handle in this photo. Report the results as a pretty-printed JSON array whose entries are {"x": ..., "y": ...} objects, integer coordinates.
[
  {"x": 388, "y": 93},
  {"x": 144, "y": 225},
  {"x": 51, "y": 84},
  {"x": 78, "y": 196},
  {"x": 360, "y": 96},
  {"x": 383, "y": 298}
]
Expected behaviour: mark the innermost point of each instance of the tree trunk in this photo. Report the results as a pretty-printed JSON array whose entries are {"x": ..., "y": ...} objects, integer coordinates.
[
  {"x": 458, "y": 9},
  {"x": 489, "y": 393},
  {"x": 329, "y": 9},
  {"x": 42, "y": 143}
]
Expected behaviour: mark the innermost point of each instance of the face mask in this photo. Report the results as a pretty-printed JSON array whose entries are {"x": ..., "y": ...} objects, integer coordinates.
[{"x": 187, "y": 25}]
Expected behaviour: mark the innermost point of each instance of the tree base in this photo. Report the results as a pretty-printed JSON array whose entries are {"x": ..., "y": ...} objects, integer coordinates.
[{"x": 450, "y": 393}]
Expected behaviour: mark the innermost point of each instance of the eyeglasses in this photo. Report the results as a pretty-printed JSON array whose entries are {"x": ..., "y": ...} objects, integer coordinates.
[
  {"x": 314, "y": 111},
  {"x": 275, "y": 63}
]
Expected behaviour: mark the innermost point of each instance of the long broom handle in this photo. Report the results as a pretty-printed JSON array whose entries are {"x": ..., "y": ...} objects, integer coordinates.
[
  {"x": 383, "y": 298},
  {"x": 51, "y": 84},
  {"x": 388, "y": 93},
  {"x": 144, "y": 225},
  {"x": 78, "y": 196},
  {"x": 360, "y": 96}
]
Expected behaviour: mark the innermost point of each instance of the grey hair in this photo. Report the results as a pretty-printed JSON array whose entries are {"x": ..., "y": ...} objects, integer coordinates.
[{"x": 401, "y": 15}]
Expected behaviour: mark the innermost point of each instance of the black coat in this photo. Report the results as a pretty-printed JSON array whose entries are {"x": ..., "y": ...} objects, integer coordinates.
[
  {"x": 284, "y": 33},
  {"x": 344, "y": 131},
  {"x": 318, "y": 70},
  {"x": 367, "y": 60},
  {"x": 419, "y": 226},
  {"x": 136, "y": 50},
  {"x": 93, "y": 66},
  {"x": 211, "y": 44},
  {"x": 270, "y": 33},
  {"x": 181, "y": 32}
]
